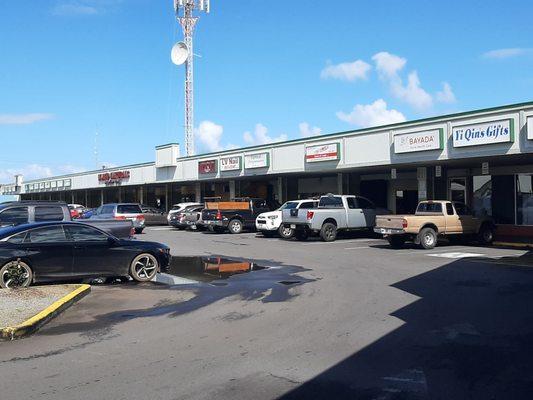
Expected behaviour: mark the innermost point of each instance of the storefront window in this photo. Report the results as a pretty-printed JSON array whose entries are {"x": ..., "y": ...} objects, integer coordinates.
[
  {"x": 482, "y": 196},
  {"x": 524, "y": 199},
  {"x": 458, "y": 189}
]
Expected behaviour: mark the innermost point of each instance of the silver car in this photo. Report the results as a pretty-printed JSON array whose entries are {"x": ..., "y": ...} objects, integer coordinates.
[{"x": 122, "y": 211}]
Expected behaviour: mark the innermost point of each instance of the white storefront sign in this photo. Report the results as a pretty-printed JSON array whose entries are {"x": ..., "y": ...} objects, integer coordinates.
[
  {"x": 230, "y": 164},
  {"x": 481, "y": 134},
  {"x": 324, "y": 152},
  {"x": 258, "y": 160},
  {"x": 418, "y": 141},
  {"x": 530, "y": 127}
]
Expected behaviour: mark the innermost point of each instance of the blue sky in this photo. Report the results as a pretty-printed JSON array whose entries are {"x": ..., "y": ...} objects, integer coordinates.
[{"x": 265, "y": 71}]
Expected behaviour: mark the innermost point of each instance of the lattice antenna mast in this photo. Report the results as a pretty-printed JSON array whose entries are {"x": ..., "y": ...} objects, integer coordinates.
[{"x": 185, "y": 14}]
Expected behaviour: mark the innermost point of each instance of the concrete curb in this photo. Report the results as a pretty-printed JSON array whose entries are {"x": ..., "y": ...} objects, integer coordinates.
[
  {"x": 513, "y": 244},
  {"x": 31, "y": 325}
]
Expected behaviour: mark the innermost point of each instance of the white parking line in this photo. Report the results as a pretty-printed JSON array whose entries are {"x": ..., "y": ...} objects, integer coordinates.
[
  {"x": 356, "y": 248},
  {"x": 166, "y": 228},
  {"x": 455, "y": 255}
]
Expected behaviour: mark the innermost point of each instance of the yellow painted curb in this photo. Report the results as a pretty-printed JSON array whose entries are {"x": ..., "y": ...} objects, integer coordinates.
[{"x": 31, "y": 325}]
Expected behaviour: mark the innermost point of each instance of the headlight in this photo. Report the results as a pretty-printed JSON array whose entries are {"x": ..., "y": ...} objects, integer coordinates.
[{"x": 273, "y": 217}]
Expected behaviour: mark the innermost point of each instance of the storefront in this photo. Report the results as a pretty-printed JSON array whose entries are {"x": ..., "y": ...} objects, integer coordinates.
[{"x": 483, "y": 158}]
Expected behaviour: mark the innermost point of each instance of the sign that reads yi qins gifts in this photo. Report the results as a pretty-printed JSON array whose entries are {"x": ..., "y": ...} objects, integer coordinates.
[
  {"x": 230, "y": 164},
  {"x": 418, "y": 141},
  {"x": 323, "y": 152},
  {"x": 258, "y": 160},
  {"x": 207, "y": 167},
  {"x": 484, "y": 133}
]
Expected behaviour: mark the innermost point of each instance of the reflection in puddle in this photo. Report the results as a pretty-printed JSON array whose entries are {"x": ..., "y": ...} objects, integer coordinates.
[{"x": 207, "y": 269}]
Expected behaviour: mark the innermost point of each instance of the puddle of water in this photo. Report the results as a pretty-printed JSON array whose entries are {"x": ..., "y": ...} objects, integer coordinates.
[{"x": 208, "y": 269}]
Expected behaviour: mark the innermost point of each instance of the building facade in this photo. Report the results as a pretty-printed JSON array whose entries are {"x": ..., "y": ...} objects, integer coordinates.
[{"x": 483, "y": 157}]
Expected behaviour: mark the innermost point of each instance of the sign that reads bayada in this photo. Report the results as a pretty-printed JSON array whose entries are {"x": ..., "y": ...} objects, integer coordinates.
[
  {"x": 207, "y": 167},
  {"x": 230, "y": 163},
  {"x": 419, "y": 141},
  {"x": 323, "y": 152},
  {"x": 258, "y": 160},
  {"x": 485, "y": 133},
  {"x": 112, "y": 177}
]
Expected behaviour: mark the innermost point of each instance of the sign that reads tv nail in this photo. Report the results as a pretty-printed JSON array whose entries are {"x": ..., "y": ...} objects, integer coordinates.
[
  {"x": 323, "y": 152},
  {"x": 419, "y": 141},
  {"x": 230, "y": 164},
  {"x": 485, "y": 133},
  {"x": 112, "y": 177},
  {"x": 207, "y": 167},
  {"x": 258, "y": 160}
]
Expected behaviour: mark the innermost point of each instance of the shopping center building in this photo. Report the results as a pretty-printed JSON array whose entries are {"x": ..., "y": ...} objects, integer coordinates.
[{"x": 483, "y": 157}]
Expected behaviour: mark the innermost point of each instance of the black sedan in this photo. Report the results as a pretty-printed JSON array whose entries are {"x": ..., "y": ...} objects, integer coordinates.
[{"x": 59, "y": 251}]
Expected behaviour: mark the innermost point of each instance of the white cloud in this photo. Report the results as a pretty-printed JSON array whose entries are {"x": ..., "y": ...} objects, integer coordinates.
[
  {"x": 260, "y": 136},
  {"x": 506, "y": 53},
  {"x": 37, "y": 171},
  {"x": 69, "y": 9},
  {"x": 412, "y": 93},
  {"x": 24, "y": 119},
  {"x": 209, "y": 135},
  {"x": 307, "y": 130},
  {"x": 446, "y": 95},
  {"x": 375, "y": 114},
  {"x": 347, "y": 71},
  {"x": 388, "y": 65}
]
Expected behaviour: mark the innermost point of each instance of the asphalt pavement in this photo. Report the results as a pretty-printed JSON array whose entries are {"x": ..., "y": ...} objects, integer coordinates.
[{"x": 350, "y": 319}]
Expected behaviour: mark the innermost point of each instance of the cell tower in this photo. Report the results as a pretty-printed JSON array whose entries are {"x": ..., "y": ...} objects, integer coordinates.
[{"x": 182, "y": 52}]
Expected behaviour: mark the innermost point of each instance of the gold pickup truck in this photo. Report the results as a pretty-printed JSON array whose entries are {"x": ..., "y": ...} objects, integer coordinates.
[{"x": 434, "y": 219}]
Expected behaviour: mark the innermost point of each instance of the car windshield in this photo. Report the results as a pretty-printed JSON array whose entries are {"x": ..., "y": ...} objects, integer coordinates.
[{"x": 289, "y": 205}]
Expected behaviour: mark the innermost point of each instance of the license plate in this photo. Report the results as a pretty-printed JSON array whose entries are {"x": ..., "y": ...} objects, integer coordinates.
[
  {"x": 293, "y": 226},
  {"x": 386, "y": 231},
  {"x": 261, "y": 222}
]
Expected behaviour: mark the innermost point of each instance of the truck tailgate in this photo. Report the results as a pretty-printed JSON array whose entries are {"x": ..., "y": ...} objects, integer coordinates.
[
  {"x": 389, "y": 221},
  {"x": 294, "y": 216}
]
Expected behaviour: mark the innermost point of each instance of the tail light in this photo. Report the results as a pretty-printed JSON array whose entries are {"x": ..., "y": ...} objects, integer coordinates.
[
  {"x": 310, "y": 214},
  {"x": 219, "y": 215},
  {"x": 132, "y": 231},
  {"x": 120, "y": 217},
  {"x": 404, "y": 223},
  {"x": 139, "y": 217}
]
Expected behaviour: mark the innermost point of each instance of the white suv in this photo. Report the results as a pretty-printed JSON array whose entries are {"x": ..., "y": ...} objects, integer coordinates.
[
  {"x": 269, "y": 223},
  {"x": 176, "y": 208}
]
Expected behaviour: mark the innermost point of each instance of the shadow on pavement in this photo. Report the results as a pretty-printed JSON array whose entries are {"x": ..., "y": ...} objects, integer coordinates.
[{"x": 468, "y": 336}]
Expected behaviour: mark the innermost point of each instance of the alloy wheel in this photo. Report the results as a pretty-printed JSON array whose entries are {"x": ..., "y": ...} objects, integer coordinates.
[
  {"x": 145, "y": 266},
  {"x": 16, "y": 274}
]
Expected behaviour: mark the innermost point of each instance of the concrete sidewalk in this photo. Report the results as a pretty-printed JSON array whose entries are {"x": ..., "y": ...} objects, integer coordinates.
[{"x": 24, "y": 310}]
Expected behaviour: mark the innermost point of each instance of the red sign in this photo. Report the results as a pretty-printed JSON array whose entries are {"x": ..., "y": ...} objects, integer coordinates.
[
  {"x": 207, "y": 167},
  {"x": 113, "y": 177}
]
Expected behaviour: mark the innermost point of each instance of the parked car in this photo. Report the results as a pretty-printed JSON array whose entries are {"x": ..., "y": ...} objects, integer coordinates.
[
  {"x": 434, "y": 219},
  {"x": 122, "y": 211},
  {"x": 153, "y": 215},
  {"x": 234, "y": 216},
  {"x": 334, "y": 213},
  {"x": 186, "y": 218},
  {"x": 28, "y": 211},
  {"x": 180, "y": 207},
  {"x": 50, "y": 251},
  {"x": 76, "y": 210},
  {"x": 269, "y": 223}
]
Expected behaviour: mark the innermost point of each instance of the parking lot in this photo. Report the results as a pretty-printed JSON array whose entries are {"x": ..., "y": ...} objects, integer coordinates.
[{"x": 347, "y": 319}]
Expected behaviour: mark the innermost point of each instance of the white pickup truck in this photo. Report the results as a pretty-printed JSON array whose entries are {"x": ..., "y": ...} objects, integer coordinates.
[{"x": 334, "y": 213}]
